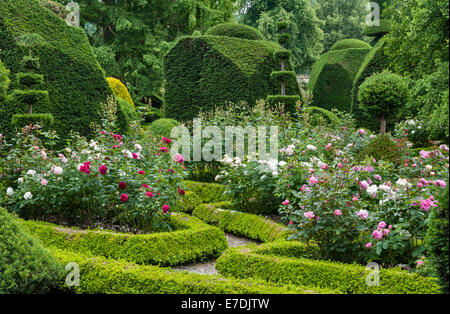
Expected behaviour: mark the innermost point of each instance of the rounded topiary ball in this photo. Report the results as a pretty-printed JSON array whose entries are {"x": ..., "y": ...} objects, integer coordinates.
[
  {"x": 235, "y": 30},
  {"x": 350, "y": 44},
  {"x": 382, "y": 95},
  {"x": 162, "y": 127},
  {"x": 25, "y": 265}
]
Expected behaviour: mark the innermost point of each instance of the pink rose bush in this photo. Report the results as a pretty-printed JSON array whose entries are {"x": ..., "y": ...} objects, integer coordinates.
[
  {"x": 366, "y": 209},
  {"x": 111, "y": 179}
]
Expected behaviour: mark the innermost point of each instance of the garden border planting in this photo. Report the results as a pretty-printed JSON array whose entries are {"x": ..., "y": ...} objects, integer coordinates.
[
  {"x": 192, "y": 241},
  {"x": 102, "y": 275},
  {"x": 348, "y": 278}
]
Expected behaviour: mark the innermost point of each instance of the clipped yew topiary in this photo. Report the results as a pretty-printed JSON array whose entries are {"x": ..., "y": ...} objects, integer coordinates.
[
  {"x": 202, "y": 72},
  {"x": 349, "y": 44},
  {"x": 119, "y": 89},
  {"x": 4, "y": 81},
  {"x": 25, "y": 265},
  {"x": 332, "y": 77},
  {"x": 125, "y": 115},
  {"x": 73, "y": 78},
  {"x": 281, "y": 77},
  {"x": 30, "y": 96},
  {"x": 381, "y": 96},
  {"x": 235, "y": 30}
]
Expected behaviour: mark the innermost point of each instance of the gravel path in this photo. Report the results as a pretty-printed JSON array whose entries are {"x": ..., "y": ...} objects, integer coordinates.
[{"x": 209, "y": 268}]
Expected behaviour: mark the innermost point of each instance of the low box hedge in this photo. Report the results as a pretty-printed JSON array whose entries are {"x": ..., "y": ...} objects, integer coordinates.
[
  {"x": 191, "y": 241},
  {"x": 208, "y": 192},
  {"x": 249, "y": 225},
  {"x": 106, "y": 276},
  {"x": 348, "y": 278}
]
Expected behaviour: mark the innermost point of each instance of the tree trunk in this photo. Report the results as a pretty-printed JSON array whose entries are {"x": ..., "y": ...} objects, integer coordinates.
[{"x": 383, "y": 125}]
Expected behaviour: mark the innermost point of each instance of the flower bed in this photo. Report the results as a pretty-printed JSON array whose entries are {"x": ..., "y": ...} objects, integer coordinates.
[
  {"x": 347, "y": 278},
  {"x": 191, "y": 241},
  {"x": 106, "y": 276},
  {"x": 239, "y": 223}
]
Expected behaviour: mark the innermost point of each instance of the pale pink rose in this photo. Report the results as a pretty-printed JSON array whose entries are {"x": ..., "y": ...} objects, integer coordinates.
[
  {"x": 286, "y": 202},
  {"x": 179, "y": 158},
  {"x": 381, "y": 225},
  {"x": 44, "y": 182},
  {"x": 419, "y": 263},
  {"x": 313, "y": 180},
  {"x": 309, "y": 215},
  {"x": 363, "y": 185},
  {"x": 424, "y": 154},
  {"x": 377, "y": 234},
  {"x": 337, "y": 212},
  {"x": 368, "y": 245}
]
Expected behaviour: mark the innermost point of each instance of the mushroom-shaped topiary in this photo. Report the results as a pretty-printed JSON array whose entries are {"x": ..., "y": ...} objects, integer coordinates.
[{"x": 381, "y": 96}]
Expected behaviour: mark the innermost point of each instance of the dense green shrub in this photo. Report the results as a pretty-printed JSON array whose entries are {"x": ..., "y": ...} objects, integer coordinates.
[
  {"x": 203, "y": 72},
  {"x": 348, "y": 278},
  {"x": 207, "y": 192},
  {"x": 235, "y": 30},
  {"x": 349, "y": 44},
  {"x": 375, "y": 62},
  {"x": 381, "y": 148},
  {"x": 377, "y": 31},
  {"x": 73, "y": 77},
  {"x": 318, "y": 114},
  {"x": 4, "y": 81},
  {"x": 248, "y": 225},
  {"x": 439, "y": 124},
  {"x": 126, "y": 113},
  {"x": 437, "y": 241},
  {"x": 162, "y": 127},
  {"x": 25, "y": 265},
  {"x": 188, "y": 202},
  {"x": 99, "y": 275},
  {"x": 381, "y": 96},
  {"x": 21, "y": 120},
  {"x": 191, "y": 240},
  {"x": 332, "y": 77}
]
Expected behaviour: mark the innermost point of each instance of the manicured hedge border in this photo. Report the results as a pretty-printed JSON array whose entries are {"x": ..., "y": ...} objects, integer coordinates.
[
  {"x": 105, "y": 276},
  {"x": 208, "y": 192},
  {"x": 249, "y": 225},
  {"x": 245, "y": 263},
  {"x": 191, "y": 241}
]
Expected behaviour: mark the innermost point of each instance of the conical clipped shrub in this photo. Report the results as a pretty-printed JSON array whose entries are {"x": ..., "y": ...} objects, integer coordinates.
[
  {"x": 119, "y": 89},
  {"x": 25, "y": 265}
]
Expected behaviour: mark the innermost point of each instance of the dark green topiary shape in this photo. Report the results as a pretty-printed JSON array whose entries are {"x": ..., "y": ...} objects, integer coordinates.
[
  {"x": 381, "y": 148},
  {"x": 332, "y": 76},
  {"x": 25, "y": 265},
  {"x": 235, "y": 30}
]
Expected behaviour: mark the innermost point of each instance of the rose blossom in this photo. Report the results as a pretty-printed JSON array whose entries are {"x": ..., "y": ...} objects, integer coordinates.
[
  {"x": 179, "y": 158},
  {"x": 381, "y": 225},
  {"x": 122, "y": 185},
  {"x": 149, "y": 194},
  {"x": 368, "y": 245},
  {"x": 424, "y": 154},
  {"x": 44, "y": 182},
  {"x": 103, "y": 169},
  {"x": 124, "y": 198},
  {"x": 285, "y": 203},
  {"x": 364, "y": 214},
  {"x": 337, "y": 212},
  {"x": 165, "y": 208},
  {"x": 309, "y": 214}
]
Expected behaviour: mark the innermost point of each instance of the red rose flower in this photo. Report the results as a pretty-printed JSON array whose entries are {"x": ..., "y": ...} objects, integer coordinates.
[
  {"x": 141, "y": 172},
  {"x": 165, "y": 208},
  {"x": 103, "y": 169},
  {"x": 122, "y": 185},
  {"x": 124, "y": 198},
  {"x": 149, "y": 194}
]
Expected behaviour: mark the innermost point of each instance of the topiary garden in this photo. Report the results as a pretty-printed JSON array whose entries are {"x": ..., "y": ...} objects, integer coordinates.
[{"x": 227, "y": 178}]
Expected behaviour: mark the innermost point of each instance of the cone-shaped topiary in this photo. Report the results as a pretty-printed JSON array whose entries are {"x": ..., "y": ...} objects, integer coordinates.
[
  {"x": 283, "y": 76},
  {"x": 25, "y": 265},
  {"x": 119, "y": 89}
]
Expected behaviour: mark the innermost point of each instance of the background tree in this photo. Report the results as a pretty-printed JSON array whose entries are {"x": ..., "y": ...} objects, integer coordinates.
[
  {"x": 418, "y": 47},
  {"x": 130, "y": 37},
  {"x": 342, "y": 19},
  {"x": 303, "y": 25}
]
